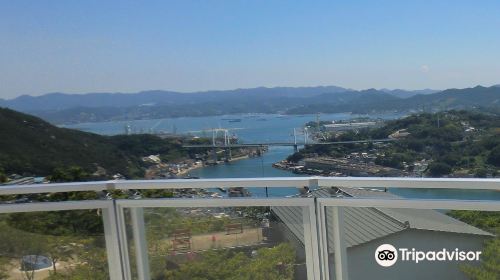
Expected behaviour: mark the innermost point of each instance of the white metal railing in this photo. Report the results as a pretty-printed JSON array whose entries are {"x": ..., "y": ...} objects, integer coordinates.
[
  {"x": 274, "y": 182},
  {"x": 315, "y": 240}
]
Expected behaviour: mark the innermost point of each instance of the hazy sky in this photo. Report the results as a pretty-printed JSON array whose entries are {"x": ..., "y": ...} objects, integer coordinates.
[{"x": 97, "y": 46}]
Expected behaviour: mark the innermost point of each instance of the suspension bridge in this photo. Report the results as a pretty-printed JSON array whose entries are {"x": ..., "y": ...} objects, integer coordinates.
[{"x": 226, "y": 144}]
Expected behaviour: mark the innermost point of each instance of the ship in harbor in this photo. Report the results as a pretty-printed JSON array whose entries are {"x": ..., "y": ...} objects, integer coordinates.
[{"x": 232, "y": 120}]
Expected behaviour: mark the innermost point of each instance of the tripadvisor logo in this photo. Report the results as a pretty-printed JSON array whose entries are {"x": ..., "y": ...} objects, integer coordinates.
[{"x": 387, "y": 255}]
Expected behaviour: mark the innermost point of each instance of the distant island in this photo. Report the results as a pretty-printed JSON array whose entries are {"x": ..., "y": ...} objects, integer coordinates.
[{"x": 60, "y": 108}]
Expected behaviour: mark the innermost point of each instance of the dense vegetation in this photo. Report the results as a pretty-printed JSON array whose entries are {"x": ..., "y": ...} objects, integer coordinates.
[
  {"x": 456, "y": 141},
  {"x": 461, "y": 142},
  {"x": 269, "y": 263},
  {"x": 73, "y": 241},
  {"x": 63, "y": 236},
  {"x": 489, "y": 269},
  {"x": 32, "y": 146}
]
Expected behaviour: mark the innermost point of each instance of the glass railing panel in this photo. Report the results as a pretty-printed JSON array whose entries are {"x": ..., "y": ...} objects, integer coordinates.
[
  {"x": 404, "y": 243},
  {"x": 219, "y": 242},
  {"x": 53, "y": 245}
]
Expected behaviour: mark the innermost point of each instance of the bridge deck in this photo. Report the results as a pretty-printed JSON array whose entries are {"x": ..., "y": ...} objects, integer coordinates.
[{"x": 286, "y": 144}]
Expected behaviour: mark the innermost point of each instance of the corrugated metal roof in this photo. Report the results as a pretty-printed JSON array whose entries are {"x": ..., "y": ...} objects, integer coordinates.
[
  {"x": 364, "y": 224},
  {"x": 292, "y": 217},
  {"x": 432, "y": 220}
]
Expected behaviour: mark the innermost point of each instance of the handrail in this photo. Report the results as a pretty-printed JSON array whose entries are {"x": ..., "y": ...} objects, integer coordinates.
[
  {"x": 409, "y": 203},
  {"x": 275, "y": 182},
  {"x": 55, "y": 187},
  {"x": 272, "y": 182},
  {"x": 408, "y": 182}
]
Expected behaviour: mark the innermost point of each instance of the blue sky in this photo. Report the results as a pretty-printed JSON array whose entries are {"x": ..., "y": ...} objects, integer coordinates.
[{"x": 128, "y": 46}]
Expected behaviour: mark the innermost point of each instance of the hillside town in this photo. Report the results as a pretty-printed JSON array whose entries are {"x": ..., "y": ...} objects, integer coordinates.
[{"x": 451, "y": 144}]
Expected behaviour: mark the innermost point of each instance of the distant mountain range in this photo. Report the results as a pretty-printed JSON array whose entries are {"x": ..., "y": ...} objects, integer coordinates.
[
  {"x": 373, "y": 101},
  {"x": 401, "y": 93},
  {"x": 72, "y": 108},
  {"x": 61, "y": 101}
]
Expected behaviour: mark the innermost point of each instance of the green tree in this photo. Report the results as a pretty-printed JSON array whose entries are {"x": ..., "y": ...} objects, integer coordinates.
[
  {"x": 494, "y": 157},
  {"x": 3, "y": 177},
  {"x": 269, "y": 263},
  {"x": 58, "y": 223},
  {"x": 481, "y": 172},
  {"x": 489, "y": 268},
  {"x": 4, "y": 263},
  {"x": 59, "y": 249},
  {"x": 69, "y": 174},
  {"x": 91, "y": 262},
  {"x": 437, "y": 169},
  {"x": 295, "y": 157}
]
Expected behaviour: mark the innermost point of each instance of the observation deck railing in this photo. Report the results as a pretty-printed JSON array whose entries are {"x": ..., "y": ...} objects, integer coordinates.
[{"x": 318, "y": 227}]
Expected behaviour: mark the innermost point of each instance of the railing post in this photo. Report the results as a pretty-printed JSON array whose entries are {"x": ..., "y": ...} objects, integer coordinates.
[
  {"x": 122, "y": 233},
  {"x": 141, "y": 247},
  {"x": 112, "y": 242},
  {"x": 316, "y": 231},
  {"x": 322, "y": 239},
  {"x": 340, "y": 248},
  {"x": 311, "y": 242}
]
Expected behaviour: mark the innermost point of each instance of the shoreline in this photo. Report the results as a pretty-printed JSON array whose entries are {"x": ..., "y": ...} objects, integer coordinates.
[
  {"x": 189, "y": 169},
  {"x": 197, "y": 166}
]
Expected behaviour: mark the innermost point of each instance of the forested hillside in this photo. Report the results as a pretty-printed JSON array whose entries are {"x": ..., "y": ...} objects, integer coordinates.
[
  {"x": 29, "y": 145},
  {"x": 452, "y": 143}
]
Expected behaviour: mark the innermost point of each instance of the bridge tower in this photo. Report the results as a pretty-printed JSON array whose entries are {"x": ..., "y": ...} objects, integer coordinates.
[
  {"x": 295, "y": 146},
  {"x": 214, "y": 151},
  {"x": 227, "y": 148},
  {"x": 214, "y": 155},
  {"x": 227, "y": 153},
  {"x": 260, "y": 151},
  {"x": 226, "y": 143}
]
